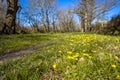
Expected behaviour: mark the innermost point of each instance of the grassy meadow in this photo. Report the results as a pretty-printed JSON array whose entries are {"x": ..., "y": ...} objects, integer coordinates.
[
  {"x": 75, "y": 56},
  {"x": 21, "y": 41}
]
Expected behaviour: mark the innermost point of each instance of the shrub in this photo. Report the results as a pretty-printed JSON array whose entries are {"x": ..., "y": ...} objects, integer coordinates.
[
  {"x": 113, "y": 26},
  {"x": 26, "y": 30}
]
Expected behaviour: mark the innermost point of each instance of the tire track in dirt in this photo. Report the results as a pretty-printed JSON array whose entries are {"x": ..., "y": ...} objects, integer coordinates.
[{"x": 20, "y": 53}]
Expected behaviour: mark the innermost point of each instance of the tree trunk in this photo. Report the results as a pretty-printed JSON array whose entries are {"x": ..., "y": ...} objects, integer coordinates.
[
  {"x": 10, "y": 19},
  {"x": 47, "y": 21}
]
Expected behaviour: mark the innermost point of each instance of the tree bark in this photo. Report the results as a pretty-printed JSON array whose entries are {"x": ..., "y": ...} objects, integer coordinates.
[
  {"x": 47, "y": 21},
  {"x": 10, "y": 19}
]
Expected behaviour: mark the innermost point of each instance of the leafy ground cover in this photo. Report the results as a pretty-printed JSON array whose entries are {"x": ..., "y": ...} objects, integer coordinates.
[
  {"x": 76, "y": 56},
  {"x": 21, "y": 41}
]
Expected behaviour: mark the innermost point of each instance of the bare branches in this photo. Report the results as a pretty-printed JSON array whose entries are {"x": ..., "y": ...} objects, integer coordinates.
[{"x": 88, "y": 10}]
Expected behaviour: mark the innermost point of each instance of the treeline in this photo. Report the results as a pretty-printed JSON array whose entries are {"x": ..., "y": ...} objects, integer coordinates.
[
  {"x": 111, "y": 27},
  {"x": 46, "y": 16}
]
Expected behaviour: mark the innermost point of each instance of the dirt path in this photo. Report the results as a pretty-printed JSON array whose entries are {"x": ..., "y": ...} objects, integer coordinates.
[{"x": 15, "y": 54}]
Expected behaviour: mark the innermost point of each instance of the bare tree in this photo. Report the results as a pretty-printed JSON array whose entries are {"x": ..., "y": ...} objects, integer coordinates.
[
  {"x": 43, "y": 9},
  {"x": 89, "y": 10},
  {"x": 2, "y": 13},
  {"x": 53, "y": 20},
  {"x": 66, "y": 21}
]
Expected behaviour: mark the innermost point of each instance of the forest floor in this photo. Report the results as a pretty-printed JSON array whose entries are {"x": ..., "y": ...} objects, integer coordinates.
[{"x": 60, "y": 56}]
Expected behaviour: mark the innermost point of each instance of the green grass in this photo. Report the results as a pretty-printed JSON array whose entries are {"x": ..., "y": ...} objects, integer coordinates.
[
  {"x": 74, "y": 57},
  {"x": 21, "y": 41}
]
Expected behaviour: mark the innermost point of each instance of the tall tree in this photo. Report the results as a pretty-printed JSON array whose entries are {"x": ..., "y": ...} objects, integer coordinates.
[
  {"x": 89, "y": 10},
  {"x": 43, "y": 9},
  {"x": 66, "y": 21},
  {"x": 2, "y": 14},
  {"x": 10, "y": 18}
]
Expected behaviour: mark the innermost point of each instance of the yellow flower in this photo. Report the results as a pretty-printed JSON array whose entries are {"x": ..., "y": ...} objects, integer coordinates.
[
  {"x": 52, "y": 48},
  {"x": 69, "y": 52},
  {"x": 94, "y": 51},
  {"x": 116, "y": 47},
  {"x": 118, "y": 77},
  {"x": 71, "y": 44},
  {"x": 117, "y": 40},
  {"x": 113, "y": 66},
  {"x": 62, "y": 46},
  {"x": 60, "y": 51},
  {"x": 37, "y": 69},
  {"x": 54, "y": 66},
  {"x": 96, "y": 44},
  {"x": 70, "y": 57},
  {"x": 71, "y": 40},
  {"x": 76, "y": 55},
  {"x": 84, "y": 50},
  {"x": 87, "y": 56}
]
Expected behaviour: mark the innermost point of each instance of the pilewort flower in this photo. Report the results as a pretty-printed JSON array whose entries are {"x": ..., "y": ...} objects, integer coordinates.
[
  {"x": 54, "y": 66},
  {"x": 118, "y": 77},
  {"x": 96, "y": 44},
  {"x": 69, "y": 52},
  {"x": 117, "y": 40},
  {"x": 52, "y": 48},
  {"x": 71, "y": 40},
  {"x": 94, "y": 51},
  {"x": 60, "y": 51},
  {"x": 70, "y": 57},
  {"x": 76, "y": 55},
  {"x": 113, "y": 66},
  {"x": 87, "y": 56},
  {"x": 84, "y": 50},
  {"x": 73, "y": 57},
  {"x": 116, "y": 47},
  {"x": 71, "y": 44}
]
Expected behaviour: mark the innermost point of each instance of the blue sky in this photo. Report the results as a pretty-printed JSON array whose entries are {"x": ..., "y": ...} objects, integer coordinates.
[
  {"x": 69, "y": 3},
  {"x": 66, "y": 3},
  {"x": 113, "y": 12},
  {"x": 63, "y": 4}
]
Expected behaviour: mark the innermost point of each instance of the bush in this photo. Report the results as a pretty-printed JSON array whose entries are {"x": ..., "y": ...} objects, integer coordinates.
[
  {"x": 25, "y": 30},
  {"x": 113, "y": 26},
  {"x": 99, "y": 27}
]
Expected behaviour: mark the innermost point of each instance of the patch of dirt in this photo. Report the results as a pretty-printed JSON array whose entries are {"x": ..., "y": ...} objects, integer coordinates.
[{"x": 20, "y": 53}]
